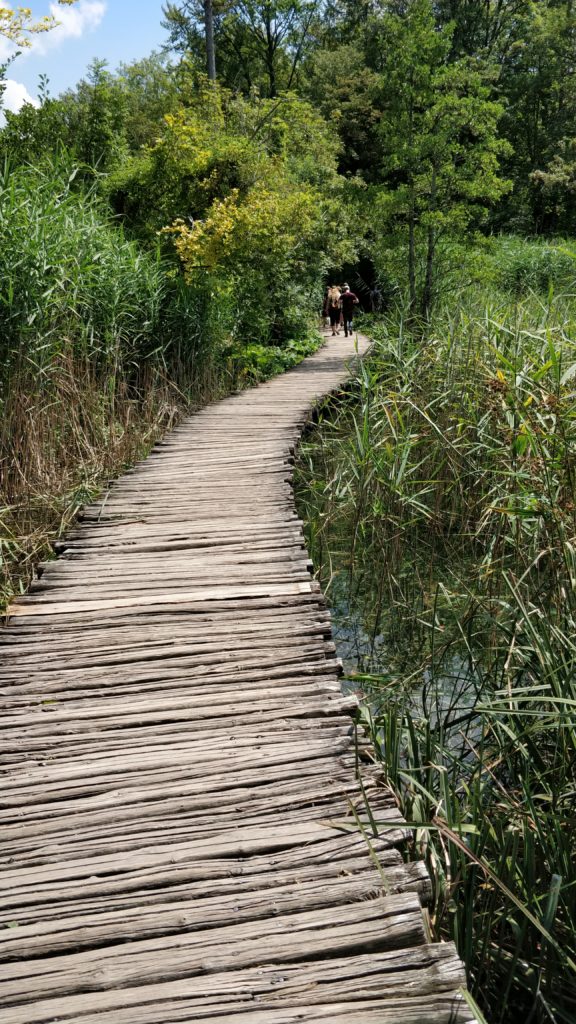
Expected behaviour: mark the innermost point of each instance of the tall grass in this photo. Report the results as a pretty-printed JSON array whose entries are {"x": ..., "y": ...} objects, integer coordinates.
[
  {"x": 445, "y": 497},
  {"x": 102, "y": 347},
  {"x": 84, "y": 380}
]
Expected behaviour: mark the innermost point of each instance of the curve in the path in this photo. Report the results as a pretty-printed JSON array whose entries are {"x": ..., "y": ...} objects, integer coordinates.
[{"x": 180, "y": 800}]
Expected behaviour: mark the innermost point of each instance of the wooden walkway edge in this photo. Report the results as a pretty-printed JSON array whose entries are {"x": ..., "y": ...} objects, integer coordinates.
[{"x": 179, "y": 795}]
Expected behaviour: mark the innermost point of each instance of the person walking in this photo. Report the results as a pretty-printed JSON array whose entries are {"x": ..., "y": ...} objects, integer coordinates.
[
  {"x": 333, "y": 307},
  {"x": 347, "y": 302},
  {"x": 375, "y": 299}
]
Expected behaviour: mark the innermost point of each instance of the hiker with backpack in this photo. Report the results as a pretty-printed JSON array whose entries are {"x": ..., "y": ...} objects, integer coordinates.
[{"x": 332, "y": 307}]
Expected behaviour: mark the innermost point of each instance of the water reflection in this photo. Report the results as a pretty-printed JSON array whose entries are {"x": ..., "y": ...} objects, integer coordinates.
[{"x": 397, "y": 663}]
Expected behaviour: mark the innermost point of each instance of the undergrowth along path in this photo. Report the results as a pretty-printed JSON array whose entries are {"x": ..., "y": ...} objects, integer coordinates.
[{"x": 180, "y": 810}]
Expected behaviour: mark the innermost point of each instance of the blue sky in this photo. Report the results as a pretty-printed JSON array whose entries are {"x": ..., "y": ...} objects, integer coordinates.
[{"x": 114, "y": 30}]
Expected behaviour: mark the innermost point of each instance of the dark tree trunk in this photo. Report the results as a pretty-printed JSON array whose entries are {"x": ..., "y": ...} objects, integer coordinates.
[
  {"x": 412, "y": 257},
  {"x": 430, "y": 254},
  {"x": 270, "y": 55},
  {"x": 429, "y": 280},
  {"x": 210, "y": 47},
  {"x": 411, "y": 223}
]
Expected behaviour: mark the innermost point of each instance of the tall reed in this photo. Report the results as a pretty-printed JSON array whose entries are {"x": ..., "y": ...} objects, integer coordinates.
[
  {"x": 445, "y": 497},
  {"x": 101, "y": 348}
]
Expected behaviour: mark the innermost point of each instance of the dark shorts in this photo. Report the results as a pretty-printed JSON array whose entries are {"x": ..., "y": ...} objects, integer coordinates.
[{"x": 334, "y": 316}]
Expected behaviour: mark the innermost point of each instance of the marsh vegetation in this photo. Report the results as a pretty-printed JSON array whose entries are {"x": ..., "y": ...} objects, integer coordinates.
[{"x": 441, "y": 505}]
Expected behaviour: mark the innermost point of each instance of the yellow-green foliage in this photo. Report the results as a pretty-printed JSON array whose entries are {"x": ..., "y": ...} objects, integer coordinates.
[
  {"x": 217, "y": 142},
  {"x": 249, "y": 192},
  {"x": 275, "y": 225}
]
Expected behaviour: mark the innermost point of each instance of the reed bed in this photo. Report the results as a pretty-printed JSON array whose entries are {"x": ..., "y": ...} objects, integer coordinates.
[
  {"x": 442, "y": 503},
  {"x": 84, "y": 373},
  {"x": 103, "y": 346},
  {"x": 60, "y": 446}
]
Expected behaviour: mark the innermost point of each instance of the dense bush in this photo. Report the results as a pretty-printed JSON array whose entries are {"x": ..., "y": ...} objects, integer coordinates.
[
  {"x": 249, "y": 192},
  {"x": 68, "y": 281},
  {"x": 102, "y": 345},
  {"x": 506, "y": 263}
]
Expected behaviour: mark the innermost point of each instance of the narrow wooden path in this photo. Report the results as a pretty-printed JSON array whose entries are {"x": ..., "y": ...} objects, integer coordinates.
[{"x": 179, "y": 797}]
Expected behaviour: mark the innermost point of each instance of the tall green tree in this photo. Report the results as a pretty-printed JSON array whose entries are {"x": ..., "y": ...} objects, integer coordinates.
[
  {"x": 489, "y": 28},
  {"x": 530, "y": 47},
  {"x": 351, "y": 97},
  {"x": 100, "y": 115},
  {"x": 349, "y": 14},
  {"x": 249, "y": 189},
  {"x": 258, "y": 43},
  {"x": 440, "y": 141},
  {"x": 538, "y": 83},
  {"x": 151, "y": 90},
  {"x": 184, "y": 22},
  {"x": 279, "y": 34},
  {"x": 192, "y": 21},
  {"x": 88, "y": 122},
  {"x": 99, "y": 122}
]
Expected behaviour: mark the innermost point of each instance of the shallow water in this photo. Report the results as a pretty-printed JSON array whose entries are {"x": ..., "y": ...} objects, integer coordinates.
[{"x": 392, "y": 663}]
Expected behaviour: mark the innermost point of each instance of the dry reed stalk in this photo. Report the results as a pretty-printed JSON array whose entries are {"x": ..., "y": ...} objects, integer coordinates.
[{"x": 61, "y": 443}]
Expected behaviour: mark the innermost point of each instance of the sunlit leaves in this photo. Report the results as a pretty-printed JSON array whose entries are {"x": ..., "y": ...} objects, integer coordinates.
[{"x": 18, "y": 24}]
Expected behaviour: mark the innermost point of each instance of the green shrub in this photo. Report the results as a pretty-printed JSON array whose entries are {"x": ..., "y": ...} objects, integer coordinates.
[{"x": 253, "y": 363}]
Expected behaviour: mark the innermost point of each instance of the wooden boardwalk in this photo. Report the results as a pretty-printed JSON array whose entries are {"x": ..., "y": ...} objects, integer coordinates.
[{"x": 179, "y": 797}]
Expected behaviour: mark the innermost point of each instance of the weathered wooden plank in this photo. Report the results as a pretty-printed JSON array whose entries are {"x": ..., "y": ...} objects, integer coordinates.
[
  {"x": 192, "y": 914},
  {"x": 258, "y": 875},
  {"x": 46, "y": 717},
  {"x": 447, "y": 1009},
  {"x": 177, "y": 605},
  {"x": 242, "y": 841},
  {"x": 199, "y": 627},
  {"x": 407, "y": 975},
  {"x": 393, "y": 922},
  {"x": 346, "y": 854},
  {"x": 38, "y": 748},
  {"x": 261, "y": 654},
  {"x": 241, "y": 803},
  {"x": 90, "y": 770},
  {"x": 205, "y": 781},
  {"x": 139, "y": 650},
  {"x": 207, "y": 594}
]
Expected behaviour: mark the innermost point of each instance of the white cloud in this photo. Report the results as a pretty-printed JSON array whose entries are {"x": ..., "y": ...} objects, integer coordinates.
[
  {"x": 16, "y": 95},
  {"x": 7, "y": 49},
  {"x": 74, "y": 22}
]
